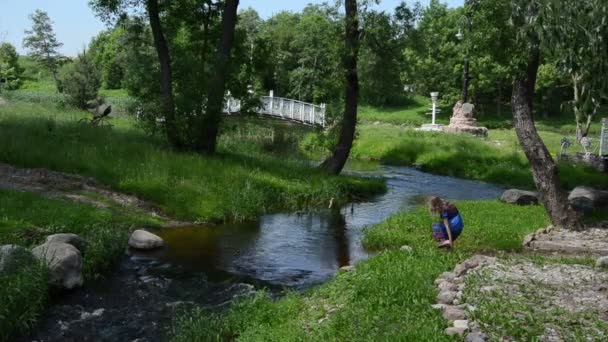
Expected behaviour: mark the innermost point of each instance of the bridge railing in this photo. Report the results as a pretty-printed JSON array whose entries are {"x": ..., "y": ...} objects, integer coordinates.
[{"x": 288, "y": 109}]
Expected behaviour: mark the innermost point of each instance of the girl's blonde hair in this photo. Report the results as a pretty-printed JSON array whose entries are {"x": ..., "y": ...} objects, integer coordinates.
[{"x": 435, "y": 205}]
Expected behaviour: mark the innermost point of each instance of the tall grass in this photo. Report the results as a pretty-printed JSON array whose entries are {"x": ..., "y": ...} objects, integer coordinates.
[
  {"x": 236, "y": 185},
  {"x": 386, "y": 298},
  {"x": 497, "y": 160}
]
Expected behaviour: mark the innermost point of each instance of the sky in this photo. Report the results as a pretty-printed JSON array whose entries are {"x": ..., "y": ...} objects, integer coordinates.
[{"x": 75, "y": 24}]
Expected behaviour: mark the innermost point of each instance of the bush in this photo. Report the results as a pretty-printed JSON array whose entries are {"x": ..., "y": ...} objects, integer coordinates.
[{"x": 80, "y": 81}]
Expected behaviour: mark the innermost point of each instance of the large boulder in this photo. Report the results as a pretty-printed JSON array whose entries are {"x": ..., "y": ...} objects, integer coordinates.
[
  {"x": 520, "y": 197},
  {"x": 141, "y": 239},
  {"x": 71, "y": 239},
  {"x": 12, "y": 257},
  {"x": 463, "y": 120},
  {"x": 587, "y": 200},
  {"x": 64, "y": 262}
]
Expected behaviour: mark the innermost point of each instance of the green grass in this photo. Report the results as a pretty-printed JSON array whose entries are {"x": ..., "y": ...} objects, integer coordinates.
[
  {"x": 498, "y": 159},
  {"x": 386, "y": 298},
  {"x": 26, "y": 219},
  {"x": 240, "y": 183}
]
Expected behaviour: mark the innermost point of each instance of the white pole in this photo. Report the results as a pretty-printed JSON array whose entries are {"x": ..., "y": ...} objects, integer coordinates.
[
  {"x": 434, "y": 111},
  {"x": 271, "y": 95}
]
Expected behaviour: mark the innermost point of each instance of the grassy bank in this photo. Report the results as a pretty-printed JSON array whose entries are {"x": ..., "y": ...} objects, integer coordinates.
[
  {"x": 26, "y": 219},
  {"x": 388, "y": 297},
  {"x": 499, "y": 159},
  {"x": 242, "y": 182}
]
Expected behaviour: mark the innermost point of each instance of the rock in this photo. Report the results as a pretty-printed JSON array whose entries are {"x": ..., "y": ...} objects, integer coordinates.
[
  {"x": 439, "y": 306},
  {"x": 94, "y": 314},
  {"x": 473, "y": 262},
  {"x": 446, "y": 297},
  {"x": 602, "y": 262},
  {"x": 141, "y": 239},
  {"x": 12, "y": 257},
  {"x": 70, "y": 239},
  {"x": 3, "y": 102},
  {"x": 347, "y": 268},
  {"x": 461, "y": 323},
  {"x": 447, "y": 286},
  {"x": 452, "y": 313},
  {"x": 587, "y": 200},
  {"x": 64, "y": 262},
  {"x": 463, "y": 121},
  {"x": 104, "y": 109},
  {"x": 519, "y": 197},
  {"x": 528, "y": 239},
  {"x": 406, "y": 248},
  {"x": 453, "y": 331},
  {"x": 476, "y": 337}
]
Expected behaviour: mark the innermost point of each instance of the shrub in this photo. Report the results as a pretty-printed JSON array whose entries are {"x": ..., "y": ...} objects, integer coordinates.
[{"x": 80, "y": 81}]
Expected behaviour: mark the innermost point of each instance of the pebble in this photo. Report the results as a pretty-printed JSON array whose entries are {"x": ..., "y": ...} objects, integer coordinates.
[
  {"x": 446, "y": 297},
  {"x": 461, "y": 323},
  {"x": 476, "y": 337},
  {"x": 406, "y": 248},
  {"x": 453, "y": 331}
]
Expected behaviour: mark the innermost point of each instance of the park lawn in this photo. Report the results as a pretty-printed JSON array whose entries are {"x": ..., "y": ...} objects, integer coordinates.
[
  {"x": 26, "y": 219},
  {"x": 386, "y": 298},
  {"x": 242, "y": 182}
]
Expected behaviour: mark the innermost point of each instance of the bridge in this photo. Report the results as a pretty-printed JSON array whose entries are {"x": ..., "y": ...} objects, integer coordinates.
[{"x": 282, "y": 108}]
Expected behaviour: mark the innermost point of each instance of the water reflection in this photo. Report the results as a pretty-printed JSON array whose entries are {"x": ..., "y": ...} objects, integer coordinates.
[{"x": 300, "y": 250}]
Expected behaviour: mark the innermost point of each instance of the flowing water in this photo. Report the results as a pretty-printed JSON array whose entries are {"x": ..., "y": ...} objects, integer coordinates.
[{"x": 211, "y": 265}]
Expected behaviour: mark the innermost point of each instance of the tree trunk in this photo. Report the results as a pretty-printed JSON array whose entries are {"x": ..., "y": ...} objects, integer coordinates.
[
  {"x": 217, "y": 87},
  {"x": 335, "y": 163},
  {"x": 544, "y": 169},
  {"x": 166, "y": 75}
]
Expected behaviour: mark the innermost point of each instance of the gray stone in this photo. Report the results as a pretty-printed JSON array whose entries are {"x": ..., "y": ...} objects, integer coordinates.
[
  {"x": 347, "y": 268},
  {"x": 587, "y": 200},
  {"x": 70, "y": 239},
  {"x": 446, "y": 297},
  {"x": 3, "y": 102},
  {"x": 12, "y": 257},
  {"x": 520, "y": 197},
  {"x": 439, "y": 306},
  {"x": 406, "y": 248},
  {"x": 461, "y": 323},
  {"x": 453, "y": 331},
  {"x": 476, "y": 337},
  {"x": 447, "y": 286},
  {"x": 64, "y": 262},
  {"x": 453, "y": 313},
  {"x": 103, "y": 110},
  {"x": 602, "y": 262},
  {"x": 141, "y": 239}
]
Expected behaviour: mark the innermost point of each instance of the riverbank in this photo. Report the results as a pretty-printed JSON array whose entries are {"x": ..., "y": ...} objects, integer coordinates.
[
  {"x": 387, "y": 297},
  {"x": 242, "y": 182}
]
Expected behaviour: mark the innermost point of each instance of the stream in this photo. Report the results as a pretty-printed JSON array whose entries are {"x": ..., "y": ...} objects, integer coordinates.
[{"x": 211, "y": 266}]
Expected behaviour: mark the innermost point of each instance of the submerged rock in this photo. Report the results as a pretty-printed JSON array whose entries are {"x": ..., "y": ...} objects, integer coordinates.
[
  {"x": 64, "y": 262},
  {"x": 141, "y": 239},
  {"x": 12, "y": 257},
  {"x": 520, "y": 197},
  {"x": 71, "y": 239}
]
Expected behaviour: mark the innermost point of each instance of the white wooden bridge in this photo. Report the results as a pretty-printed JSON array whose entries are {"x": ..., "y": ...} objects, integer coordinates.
[{"x": 282, "y": 108}]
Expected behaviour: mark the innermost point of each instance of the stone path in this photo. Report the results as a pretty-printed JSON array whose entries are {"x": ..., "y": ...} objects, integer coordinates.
[
  {"x": 592, "y": 241},
  {"x": 487, "y": 298}
]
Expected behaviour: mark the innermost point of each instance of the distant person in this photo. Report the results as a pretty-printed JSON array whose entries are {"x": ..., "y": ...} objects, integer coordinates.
[{"x": 451, "y": 225}]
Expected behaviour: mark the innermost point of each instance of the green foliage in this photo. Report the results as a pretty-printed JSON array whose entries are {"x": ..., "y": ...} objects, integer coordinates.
[
  {"x": 107, "y": 53},
  {"x": 10, "y": 70},
  {"x": 24, "y": 294},
  {"x": 387, "y": 297},
  {"x": 80, "y": 81}
]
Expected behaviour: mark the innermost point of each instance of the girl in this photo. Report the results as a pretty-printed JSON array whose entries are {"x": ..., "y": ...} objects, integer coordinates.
[{"x": 449, "y": 229}]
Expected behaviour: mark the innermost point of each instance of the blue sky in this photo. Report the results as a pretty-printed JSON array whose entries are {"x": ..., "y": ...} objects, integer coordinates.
[{"x": 75, "y": 23}]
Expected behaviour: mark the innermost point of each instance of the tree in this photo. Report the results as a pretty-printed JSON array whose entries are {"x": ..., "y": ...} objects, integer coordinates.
[
  {"x": 42, "y": 43},
  {"x": 10, "y": 70},
  {"x": 80, "y": 80},
  {"x": 107, "y": 53},
  {"x": 335, "y": 163},
  {"x": 575, "y": 36},
  {"x": 217, "y": 87},
  {"x": 528, "y": 17}
]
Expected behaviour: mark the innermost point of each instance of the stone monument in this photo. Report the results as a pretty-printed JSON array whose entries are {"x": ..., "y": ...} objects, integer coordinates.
[{"x": 463, "y": 120}]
